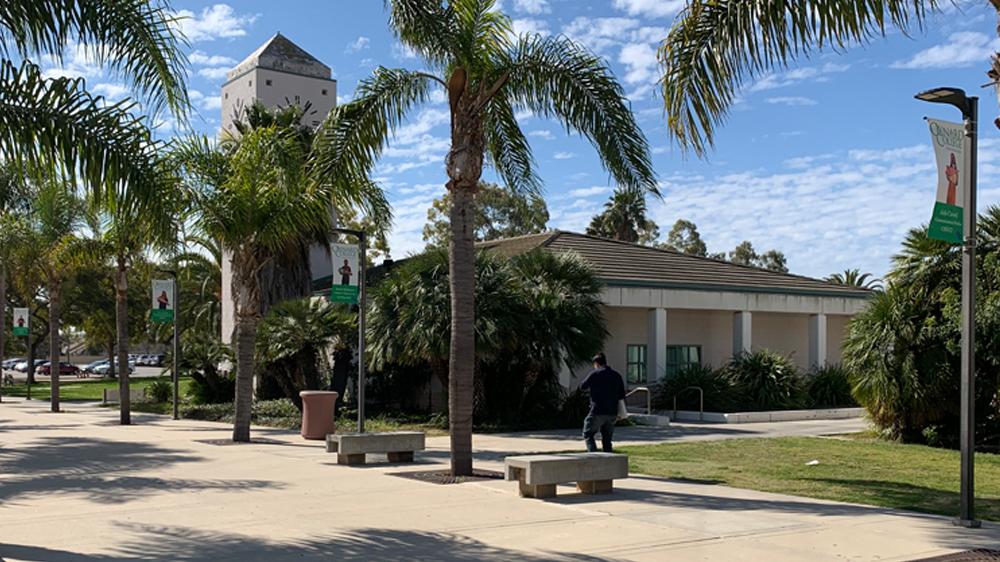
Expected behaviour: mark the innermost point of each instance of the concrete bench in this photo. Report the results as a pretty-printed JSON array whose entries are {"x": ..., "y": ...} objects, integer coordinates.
[
  {"x": 111, "y": 395},
  {"x": 537, "y": 475},
  {"x": 351, "y": 448}
]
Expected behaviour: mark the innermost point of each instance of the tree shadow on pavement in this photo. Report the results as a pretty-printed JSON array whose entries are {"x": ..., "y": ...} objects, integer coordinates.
[
  {"x": 901, "y": 495},
  {"x": 102, "y": 471},
  {"x": 186, "y": 544}
]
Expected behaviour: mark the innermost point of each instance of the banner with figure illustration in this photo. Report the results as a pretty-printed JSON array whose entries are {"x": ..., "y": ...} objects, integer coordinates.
[
  {"x": 949, "y": 149},
  {"x": 163, "y": 301},
  {"x": 346, "y": 271},
  {"x": 20, "y": 326}
]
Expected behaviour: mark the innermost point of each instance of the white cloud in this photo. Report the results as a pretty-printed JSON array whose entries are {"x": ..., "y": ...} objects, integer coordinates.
[
  {"x": 530, "y": 26},
  {"x": 414, "y": 145},
  {"x": 532, "y": 6},
  {"x": 797, "y": 76},
  {"x": 216, "y": 21},
  {"x": 563, "y": 155},
  {"x": 110, "y": 91},
  {"x": 962, "y": 49},
  {"x": 203, "y": 101},
  {"x": 543, "y": 134},
  {"x": 791, "y": 100},
  {"x": 403, "y": 52},
  {"x": 203, "y": 59},
  {"x": 360, "y": 43},
  {"x": 640, "y": 62},
  {"x": 599, "y": 34},
  {"x": 590, "y": 191},
  {"x": 78, "y": 62},
  {"x": 650, "y": 8},
  {"x": 214, "y": 73}
]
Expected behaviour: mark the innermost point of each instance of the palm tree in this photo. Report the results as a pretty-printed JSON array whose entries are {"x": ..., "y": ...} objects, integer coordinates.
[
  {"x": 854, "y": 278},
  {"x": 53, "y": 246},
  {"x": 294, "y": 339},
  {"x": 257, "y": 201},
  {"x": 716, "y": 46},
  {"x": 50, "y": 121},
  {"x": 13, "y": 202},
  {"x": 486, "y": 77},
  {"x": 624, "y": 218},
  {"x": 136, "y": 218}
]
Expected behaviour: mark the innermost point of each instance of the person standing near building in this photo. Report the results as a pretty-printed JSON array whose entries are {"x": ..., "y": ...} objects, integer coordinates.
[{"x": 606, "y": 389}]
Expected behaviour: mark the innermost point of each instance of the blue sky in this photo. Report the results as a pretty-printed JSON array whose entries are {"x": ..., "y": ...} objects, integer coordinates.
[{"x": 828, "y": 161}]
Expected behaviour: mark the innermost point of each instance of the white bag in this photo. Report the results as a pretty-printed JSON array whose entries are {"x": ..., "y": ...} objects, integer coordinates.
[{"x": 622, "y": 410}]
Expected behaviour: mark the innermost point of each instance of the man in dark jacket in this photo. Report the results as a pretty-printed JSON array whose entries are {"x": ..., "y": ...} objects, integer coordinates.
[{"x": 606, "y": 389}]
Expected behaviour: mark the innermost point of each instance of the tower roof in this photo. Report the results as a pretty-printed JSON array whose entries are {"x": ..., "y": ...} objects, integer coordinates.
[{"x": 279, "y": 53}]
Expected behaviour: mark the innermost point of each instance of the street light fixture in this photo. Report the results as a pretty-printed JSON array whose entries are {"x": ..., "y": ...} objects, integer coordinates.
[{"x": 969, "y": 106}]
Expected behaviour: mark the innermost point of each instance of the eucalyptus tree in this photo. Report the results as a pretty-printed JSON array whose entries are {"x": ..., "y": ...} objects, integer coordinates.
[
  {"x": 715, "y": 47},
  {"x": 487, "y": 76},
  {"x": 54, "y": 122},
  {"x": 51, "y": 248},
  {"x": 258, "y": 201}
]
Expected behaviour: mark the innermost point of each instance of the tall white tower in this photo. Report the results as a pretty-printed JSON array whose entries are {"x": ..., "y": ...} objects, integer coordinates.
[{"x": 276, "y": 74}]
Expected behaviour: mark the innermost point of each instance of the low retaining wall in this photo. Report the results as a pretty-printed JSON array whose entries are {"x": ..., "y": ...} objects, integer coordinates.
[{"x": 772, "y": 416}]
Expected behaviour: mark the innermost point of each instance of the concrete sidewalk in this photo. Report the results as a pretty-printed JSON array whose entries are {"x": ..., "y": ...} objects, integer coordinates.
[{"x": 75, "y": 486}]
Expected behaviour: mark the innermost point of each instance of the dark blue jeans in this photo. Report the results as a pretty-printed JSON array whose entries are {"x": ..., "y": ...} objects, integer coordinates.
[{"x": 594, "y": 423}]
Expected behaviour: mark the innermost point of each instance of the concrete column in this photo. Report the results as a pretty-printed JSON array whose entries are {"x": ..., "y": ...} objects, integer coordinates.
[
  {"x": 656, "y": 344},
  {"x": 742, "y": 333},
  {"x": 817, "y": 340}
]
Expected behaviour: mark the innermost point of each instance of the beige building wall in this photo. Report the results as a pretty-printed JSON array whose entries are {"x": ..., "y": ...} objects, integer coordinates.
[
  {"x": 787, "y": 334},
  {"x": 836, "y": 333}
]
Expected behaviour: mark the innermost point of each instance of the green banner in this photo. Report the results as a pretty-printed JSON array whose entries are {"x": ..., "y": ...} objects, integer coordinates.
[
  {"x": 162, "y": 316},
  {"x": 20, "y": 325},
  {"x": 946, "y": 223},
  {"x": 344, "y": 293},
  {"x": 22, "y": 332}
]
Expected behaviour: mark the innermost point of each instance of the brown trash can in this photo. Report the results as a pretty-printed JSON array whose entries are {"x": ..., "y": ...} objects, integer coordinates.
[{"x": 317, "y": 413}]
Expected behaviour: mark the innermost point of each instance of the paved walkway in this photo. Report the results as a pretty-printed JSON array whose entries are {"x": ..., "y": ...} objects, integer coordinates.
[{"x": 75, "y": 486}]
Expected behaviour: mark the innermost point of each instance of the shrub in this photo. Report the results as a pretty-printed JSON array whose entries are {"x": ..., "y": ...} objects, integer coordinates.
[
  {"x": 828, "y": 387},
  {"x": 160, "y": 390},
  {"x": 280, "y": 413},
  {"x": 718, "y": 391},
  {"x": 765, "y": 380},
  {"x": 575, "y": 407}
]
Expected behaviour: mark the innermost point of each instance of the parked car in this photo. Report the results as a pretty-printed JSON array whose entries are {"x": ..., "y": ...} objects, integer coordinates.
[
  {"x": 9, "y": 363},
  {"x": 89, "y": 367},
  {"x": 106, "y": 367},
  {"x": 64, "y": 368},
  {"x": 22, "y": 366}
]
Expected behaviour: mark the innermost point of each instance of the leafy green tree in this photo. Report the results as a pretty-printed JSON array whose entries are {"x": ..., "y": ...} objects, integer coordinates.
[
  {"x": 55, "y": 123},
  {"x": 500, "y": 213},
  {"x": 14, "y": 200},
  {"x": 487, "y": 77},
  {"x": 854, "y": 278},
  {"x": 624, "y": 218},
  {"x": 715, "y": 47},
  {"x": 294, "y": 340},
  {"x": 744, "y": 254},
  {"x": 684, "y": 237}
]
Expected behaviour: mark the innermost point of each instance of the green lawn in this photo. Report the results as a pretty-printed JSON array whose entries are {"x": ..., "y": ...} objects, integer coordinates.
[
  {"x": 72, "y": 388},
  {"x": 862, "y": 470}
]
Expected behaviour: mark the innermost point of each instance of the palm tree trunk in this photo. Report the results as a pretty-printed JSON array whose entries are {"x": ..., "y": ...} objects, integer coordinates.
[
  {"x": 3, "y": 317},
  {"x": 465, "y": 166},
  {"x": 121, "y": 329},
  {"x": 111, "y": 359},
  {"x": 246, "y": 294},
  {"x": 54, "y": 289}
]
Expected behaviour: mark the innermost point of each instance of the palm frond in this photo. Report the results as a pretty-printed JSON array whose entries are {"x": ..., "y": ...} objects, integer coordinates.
[
  {"x": 508, "y": 149},
  {"x": 57, "y": 126},
  {"x": 426, "y": 27},
  {"x": 715, "y": 46},
  {"x": 555, "y": 77},
  {"x": 483, "y": 34},
  {"x": 353, "y": 136},
  {"x": 138, "y": 40}
]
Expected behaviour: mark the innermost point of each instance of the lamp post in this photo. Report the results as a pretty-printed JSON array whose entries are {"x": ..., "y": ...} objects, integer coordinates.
[
  {"x": 362, "y": 243},
  {"x": 969, "y": 106}
]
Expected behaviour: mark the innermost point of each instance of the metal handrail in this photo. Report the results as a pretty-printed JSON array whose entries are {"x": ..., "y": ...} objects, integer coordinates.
[
  {"x": 649, "y": 399},
  {"x": 701, "y": 401}
]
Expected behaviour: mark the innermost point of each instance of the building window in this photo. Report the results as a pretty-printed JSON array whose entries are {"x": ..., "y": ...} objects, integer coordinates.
[
  {"x": 296, "y": 99},
  {"x": 227, "y": 95},
  {"x": 250, "y": 83},
  {"x": 680, "y": 356},
  {"x": 267, "y": 82},
  {"x": 324, "y": 91},
  {"x": 635, "y": 364}
]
